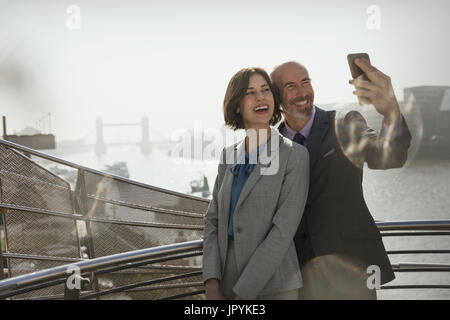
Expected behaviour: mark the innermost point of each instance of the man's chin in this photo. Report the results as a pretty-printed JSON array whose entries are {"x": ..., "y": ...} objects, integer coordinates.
[
  {"x": 303, "y": 113},
  {"x": 308, "y": 111}
]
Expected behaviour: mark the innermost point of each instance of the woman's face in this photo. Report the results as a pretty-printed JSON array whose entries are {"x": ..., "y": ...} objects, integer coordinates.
[{"x": 257, "y": 106}]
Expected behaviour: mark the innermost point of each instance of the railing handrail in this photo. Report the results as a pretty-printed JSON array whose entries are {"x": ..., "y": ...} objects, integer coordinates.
[
  {"x": 406, "y": 265},
  {"x": 99, "y": 172},
  {"x": 438, "y": 224},
  {"x": 90, "y": 265},
  {"x": 411, "y": 225}
]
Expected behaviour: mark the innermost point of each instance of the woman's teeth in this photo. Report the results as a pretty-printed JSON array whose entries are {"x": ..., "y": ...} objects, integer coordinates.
[{"x": 261, "y": 108}]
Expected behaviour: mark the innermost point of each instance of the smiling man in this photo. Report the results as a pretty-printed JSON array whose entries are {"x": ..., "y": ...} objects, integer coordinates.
[{"x": 338, "y": 241}]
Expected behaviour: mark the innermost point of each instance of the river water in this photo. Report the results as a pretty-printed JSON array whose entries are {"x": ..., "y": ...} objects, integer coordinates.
[{"x": 418, "y": 191}]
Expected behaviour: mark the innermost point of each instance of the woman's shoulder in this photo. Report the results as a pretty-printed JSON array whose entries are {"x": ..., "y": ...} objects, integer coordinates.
[
  {"x": 296, "y": 155},
  {"x": 228, "y": 153},
  {"x": 293, "y": 158}
]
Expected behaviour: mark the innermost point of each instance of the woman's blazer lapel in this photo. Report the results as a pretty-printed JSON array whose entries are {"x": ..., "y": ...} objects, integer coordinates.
[{"x": 269, "y": 154}]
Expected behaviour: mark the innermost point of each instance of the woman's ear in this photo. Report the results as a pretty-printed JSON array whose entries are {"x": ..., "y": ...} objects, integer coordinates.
[{"x": 238, "y": 110}]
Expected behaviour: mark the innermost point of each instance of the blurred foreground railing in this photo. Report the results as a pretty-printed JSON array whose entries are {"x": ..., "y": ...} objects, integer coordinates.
[{"x": 117, "y": 238}]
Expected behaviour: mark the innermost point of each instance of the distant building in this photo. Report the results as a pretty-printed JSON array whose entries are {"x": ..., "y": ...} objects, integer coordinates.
[
  {"x": 37, "y": 141},
  {"x": 433, "y": 103},
  {"x": 31, "y": 138}
]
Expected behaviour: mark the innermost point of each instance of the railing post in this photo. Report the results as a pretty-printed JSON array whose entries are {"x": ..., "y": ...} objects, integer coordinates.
[
  {"x": 81, "y": 195},
  {"x": 2, "y": 265},
  {"x": 2, "y": 225},
  {"x": 71, "y": 294}
]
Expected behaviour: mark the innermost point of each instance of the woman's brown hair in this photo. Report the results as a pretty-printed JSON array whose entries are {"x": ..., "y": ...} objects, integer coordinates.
[{"x": 237, "y": 87}]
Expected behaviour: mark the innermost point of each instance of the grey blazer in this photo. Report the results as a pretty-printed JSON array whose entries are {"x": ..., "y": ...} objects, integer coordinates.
[{"x": 266, "y": 218}]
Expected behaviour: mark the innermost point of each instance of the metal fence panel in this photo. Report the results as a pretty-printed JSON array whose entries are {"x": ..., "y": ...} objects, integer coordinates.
[{"x": 24, "y": 183}]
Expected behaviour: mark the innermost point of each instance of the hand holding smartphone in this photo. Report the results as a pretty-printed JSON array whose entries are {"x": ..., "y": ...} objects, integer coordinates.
[{"x": 357, "y": 73}]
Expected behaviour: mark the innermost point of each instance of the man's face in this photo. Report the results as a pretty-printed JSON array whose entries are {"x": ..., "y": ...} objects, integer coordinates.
[{"x": 297, "y": 94}]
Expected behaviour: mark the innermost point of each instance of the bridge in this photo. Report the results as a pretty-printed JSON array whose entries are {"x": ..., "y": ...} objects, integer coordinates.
[{"x": 145, "y": 145}]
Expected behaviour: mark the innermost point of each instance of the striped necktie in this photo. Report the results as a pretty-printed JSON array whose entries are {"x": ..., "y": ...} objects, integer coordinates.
[{"x": 299, "y": 138}]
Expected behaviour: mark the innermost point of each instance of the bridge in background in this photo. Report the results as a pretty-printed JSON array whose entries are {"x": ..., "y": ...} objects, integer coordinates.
[{"x": 145, "y": 144}]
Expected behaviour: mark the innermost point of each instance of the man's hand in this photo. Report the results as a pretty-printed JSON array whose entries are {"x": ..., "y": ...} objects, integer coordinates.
[
  {"x": 213, "y": 290},
  {"x": 379, "y": 90}
]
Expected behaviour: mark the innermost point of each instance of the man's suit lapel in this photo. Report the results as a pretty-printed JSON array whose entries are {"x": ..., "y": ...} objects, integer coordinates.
[{"x": 319, "y": 129}]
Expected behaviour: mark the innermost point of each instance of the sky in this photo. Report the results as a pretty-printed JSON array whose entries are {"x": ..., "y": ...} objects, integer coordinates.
[{"x": 171, "y": 61}]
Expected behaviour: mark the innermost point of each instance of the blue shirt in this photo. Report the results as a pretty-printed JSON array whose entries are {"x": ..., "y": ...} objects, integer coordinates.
[{"x": 241, "y": 171}]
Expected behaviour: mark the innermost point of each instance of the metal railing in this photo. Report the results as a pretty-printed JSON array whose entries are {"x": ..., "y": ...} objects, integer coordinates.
[
  {"x": 100, "y": 216},
  {"x": 29, "y": 282},
  {"x": 126, "y": 260},
  {"x": 112, "y": 227},
  {"x": 415, "y": 229}
]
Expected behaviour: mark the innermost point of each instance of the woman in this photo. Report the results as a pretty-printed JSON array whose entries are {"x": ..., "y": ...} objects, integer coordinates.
[{"x": 258, "y": 200}]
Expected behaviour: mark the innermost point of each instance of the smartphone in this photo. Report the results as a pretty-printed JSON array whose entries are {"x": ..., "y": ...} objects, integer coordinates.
[{"x": 357, "y": 72}]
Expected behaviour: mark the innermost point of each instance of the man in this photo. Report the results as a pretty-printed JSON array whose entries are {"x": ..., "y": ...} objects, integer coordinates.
[{"x": 338, "y": 242}]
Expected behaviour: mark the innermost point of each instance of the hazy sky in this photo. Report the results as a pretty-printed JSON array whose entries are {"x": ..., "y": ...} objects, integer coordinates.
[{"x": 172, "y": 60}]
